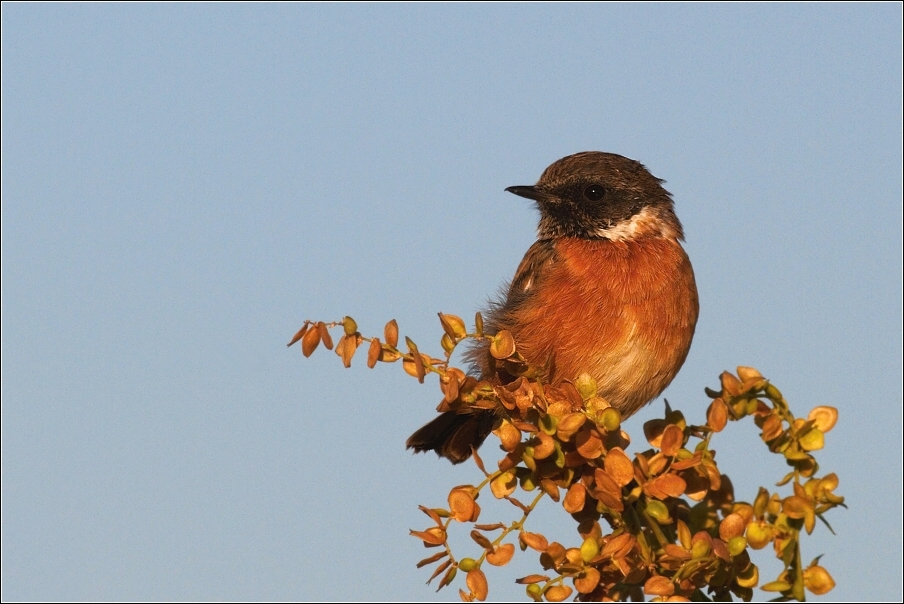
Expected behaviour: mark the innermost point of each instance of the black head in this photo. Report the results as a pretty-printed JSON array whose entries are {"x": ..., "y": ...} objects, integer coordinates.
[{"x": 595, "y": 195}]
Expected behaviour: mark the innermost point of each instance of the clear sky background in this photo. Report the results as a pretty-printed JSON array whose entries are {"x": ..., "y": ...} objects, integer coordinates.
[{"x": 183, "y": 186}]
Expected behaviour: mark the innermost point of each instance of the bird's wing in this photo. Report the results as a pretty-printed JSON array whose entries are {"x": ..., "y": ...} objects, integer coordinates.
[{"x": 540, "y": 257}]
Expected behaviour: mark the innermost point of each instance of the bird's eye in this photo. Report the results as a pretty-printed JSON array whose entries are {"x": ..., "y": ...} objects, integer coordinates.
[{"x": 594, "y": 192}]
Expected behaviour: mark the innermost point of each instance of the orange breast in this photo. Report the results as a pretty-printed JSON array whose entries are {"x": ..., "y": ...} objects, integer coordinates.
[{"x": 623, "y": 311}]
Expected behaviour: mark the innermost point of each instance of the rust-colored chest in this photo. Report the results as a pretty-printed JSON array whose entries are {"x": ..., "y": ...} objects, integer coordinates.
[{"x": 623, "y": 311}]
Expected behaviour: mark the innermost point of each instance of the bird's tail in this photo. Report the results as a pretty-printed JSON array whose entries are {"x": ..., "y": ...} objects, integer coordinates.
[{"x": 453, "y": 434}]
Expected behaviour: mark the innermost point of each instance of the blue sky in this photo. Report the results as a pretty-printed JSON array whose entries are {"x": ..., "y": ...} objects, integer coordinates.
[{"x": 182, "y": 186}]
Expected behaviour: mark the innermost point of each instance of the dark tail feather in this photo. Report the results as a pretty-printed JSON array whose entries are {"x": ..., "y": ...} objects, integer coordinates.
[{"x": 452, "y": 434}]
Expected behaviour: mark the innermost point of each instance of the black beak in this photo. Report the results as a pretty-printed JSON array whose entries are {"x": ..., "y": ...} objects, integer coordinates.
[{"x": 527, "y": 191}]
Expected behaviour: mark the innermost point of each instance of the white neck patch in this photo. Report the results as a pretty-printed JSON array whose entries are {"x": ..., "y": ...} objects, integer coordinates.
[{"x": 647, "y": 222}]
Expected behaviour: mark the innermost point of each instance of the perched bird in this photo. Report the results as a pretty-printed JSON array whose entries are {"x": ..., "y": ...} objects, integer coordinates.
[{"x": 606, "y": 289}]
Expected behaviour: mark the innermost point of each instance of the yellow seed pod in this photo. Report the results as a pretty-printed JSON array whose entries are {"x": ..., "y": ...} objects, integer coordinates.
[
  {"x": 701, "y": 549},
  {"x": 812, "y": 440},
  {"x": 590, "y": 549},
  {"x": 447, "y": 343},
  {"x": 759, "y": 534},
  {"x": 736, "y": 545},
  {"x": 749, "y": 577},
  {"x": 818, "y": 580}
]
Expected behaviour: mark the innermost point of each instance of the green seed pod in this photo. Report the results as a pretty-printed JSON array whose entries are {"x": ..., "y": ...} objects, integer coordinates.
[
  {"x": 658, "y": 511},
  {"x": 773, "y": 393},
  {"x": 349, "y": 325},
  {"x": 586, "y": 386},
  {"x": 467, "y": 564},
  {"x": 611, "y": 419},
  {"x": 549, "y": 424}
]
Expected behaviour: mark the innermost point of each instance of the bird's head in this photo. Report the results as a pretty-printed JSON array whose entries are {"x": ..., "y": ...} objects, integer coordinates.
[{"x": 596, "y": 195}]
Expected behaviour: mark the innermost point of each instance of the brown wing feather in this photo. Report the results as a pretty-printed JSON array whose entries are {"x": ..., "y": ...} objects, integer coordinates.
[
  {"x": 540, "y": 257},
  {"x": 535, "y": 265}
]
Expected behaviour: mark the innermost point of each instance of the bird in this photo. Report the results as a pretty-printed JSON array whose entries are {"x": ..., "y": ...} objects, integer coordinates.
[{"x": 607, "y": 290}]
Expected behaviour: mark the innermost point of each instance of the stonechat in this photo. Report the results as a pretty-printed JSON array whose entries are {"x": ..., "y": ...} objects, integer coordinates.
[{"x": 606, "y": 289}]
